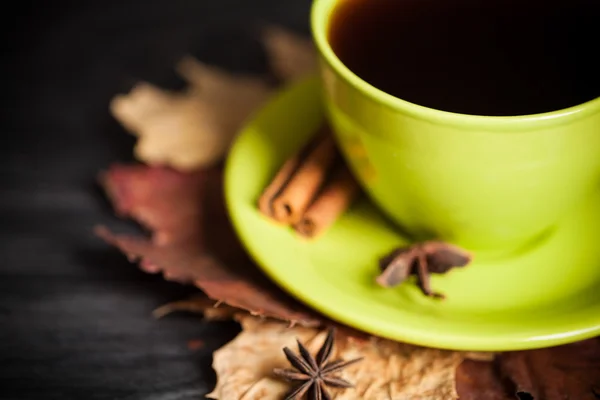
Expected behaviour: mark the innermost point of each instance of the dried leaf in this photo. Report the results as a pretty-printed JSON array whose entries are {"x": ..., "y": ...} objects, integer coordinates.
[
  {"x": 193, "y": 128},
  {"x": 211, "y": 310},
  {"x": 228, "y": 99},
  {"x": 291, "y": 56},
  {"x": 192, "y": 239},
  {"x": 565, "y": 372},
  {"x": 389, "y": 370},
  {"x": 476, "y": 380}
]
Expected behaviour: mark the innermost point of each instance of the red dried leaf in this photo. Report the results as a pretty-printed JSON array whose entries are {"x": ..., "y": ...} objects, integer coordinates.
[
  {"x": 192, "y": 239},
  {"x": 565, "y": 372}
]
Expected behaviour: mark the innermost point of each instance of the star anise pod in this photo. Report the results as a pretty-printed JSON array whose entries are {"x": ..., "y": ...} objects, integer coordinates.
[
  {"x": 421, "y": 259},
  {"x": 314, "y": 373}
]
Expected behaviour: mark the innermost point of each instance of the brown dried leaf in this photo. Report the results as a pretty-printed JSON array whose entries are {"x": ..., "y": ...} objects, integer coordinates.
[
  {"x": 192, "y": 239},
  {"x": 291, "y": 56},
  {"x": 565, "y": 372},
  {"x": 476, "y": 380},
  {"x": 211, "y": 310},
  {"x": 194, "y": 128},
  {"x": 389, "y": 370}
]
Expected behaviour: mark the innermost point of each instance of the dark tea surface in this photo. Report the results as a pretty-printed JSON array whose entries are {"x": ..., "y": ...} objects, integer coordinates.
[{"x": 496, "y": 57}]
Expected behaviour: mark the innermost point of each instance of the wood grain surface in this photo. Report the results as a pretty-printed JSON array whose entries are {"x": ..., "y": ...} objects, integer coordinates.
[{"x": 75, "y": 316}]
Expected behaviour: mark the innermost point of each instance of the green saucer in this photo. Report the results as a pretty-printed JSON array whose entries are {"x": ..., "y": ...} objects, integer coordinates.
[{"x": 548, "y": 296}]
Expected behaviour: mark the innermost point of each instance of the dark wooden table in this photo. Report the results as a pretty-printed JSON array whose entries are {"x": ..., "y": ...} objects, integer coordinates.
[{"x": 75, "y": 316}]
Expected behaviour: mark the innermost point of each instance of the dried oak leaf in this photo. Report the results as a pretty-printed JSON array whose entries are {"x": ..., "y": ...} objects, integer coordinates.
[
  {"x": 389, "y": 370},
  {"x": 192, "y": 239},
  {"x": 291, "y": 56},
  {"x": 193, "y": 128},
  {"x": 566, "y": 372}
]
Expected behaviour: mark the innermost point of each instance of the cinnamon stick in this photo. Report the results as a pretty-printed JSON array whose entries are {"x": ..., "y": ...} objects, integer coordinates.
[
  {"x": 265, "y": 202},
  {"x": 330, "y": 204},
  {"x": 306, "y": 181},
  {"x": 285, "y": 174},
  {"x": 312, "y": 188}
]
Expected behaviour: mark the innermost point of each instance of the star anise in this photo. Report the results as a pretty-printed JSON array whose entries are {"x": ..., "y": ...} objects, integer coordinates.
[
  {"x": 314, "y": 373},
  {"x": 421, "y": 259}
]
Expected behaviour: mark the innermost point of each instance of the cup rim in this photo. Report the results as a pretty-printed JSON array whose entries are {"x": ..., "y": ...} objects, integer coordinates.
[{"x": 320, "y": 17}]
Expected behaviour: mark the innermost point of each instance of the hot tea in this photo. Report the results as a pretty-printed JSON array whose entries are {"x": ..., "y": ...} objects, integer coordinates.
[{"x": 495, "y": 58}]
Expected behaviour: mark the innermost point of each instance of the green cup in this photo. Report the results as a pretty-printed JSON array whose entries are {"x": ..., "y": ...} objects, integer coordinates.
[{"x": 492, "y": 184}]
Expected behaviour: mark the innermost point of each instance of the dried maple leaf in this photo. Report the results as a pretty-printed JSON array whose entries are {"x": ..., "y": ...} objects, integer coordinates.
[
  {"x": 389, "y": 370},
  {"x": 192, "y": 239},
  {"x": 291, "y": 56},
  {"x": 228, "y": 100},
  {"x": 566, "y": 372},
  {"x": 193, "y": 128}
]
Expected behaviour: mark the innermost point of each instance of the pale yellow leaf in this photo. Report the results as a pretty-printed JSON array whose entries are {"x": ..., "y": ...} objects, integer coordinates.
[
  {"x": 191, "y": 129},
  {"x": 291, "y": 56},
  {"x": 389, "y": 371}
]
